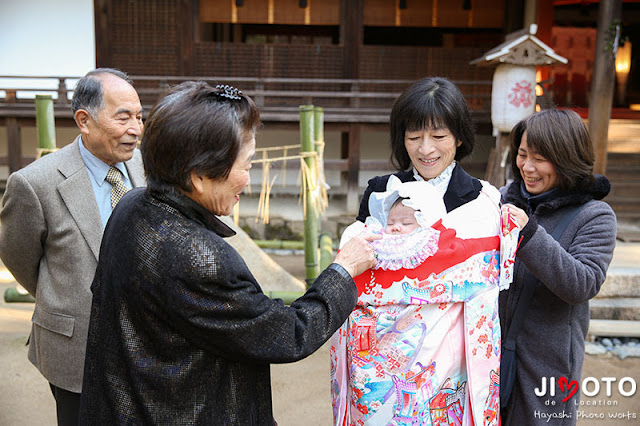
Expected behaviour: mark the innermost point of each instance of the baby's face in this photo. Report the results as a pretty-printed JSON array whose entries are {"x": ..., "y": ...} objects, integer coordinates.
[{"x": 402, "y": 220}]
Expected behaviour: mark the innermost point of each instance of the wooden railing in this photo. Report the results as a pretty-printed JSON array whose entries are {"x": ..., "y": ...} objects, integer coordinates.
[{"x": 344, "y": 100}]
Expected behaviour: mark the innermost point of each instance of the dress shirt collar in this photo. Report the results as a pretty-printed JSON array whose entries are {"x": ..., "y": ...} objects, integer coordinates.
[
  {"x": 440, "y": 182},
  {"x": 97, "y": 168}
]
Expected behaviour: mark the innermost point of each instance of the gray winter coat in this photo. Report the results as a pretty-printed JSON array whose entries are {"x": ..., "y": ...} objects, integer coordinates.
[{"x": 570, "y": 272}]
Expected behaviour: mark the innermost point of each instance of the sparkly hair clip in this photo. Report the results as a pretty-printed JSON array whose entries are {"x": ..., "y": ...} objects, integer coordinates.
[{"x": 229, "y": 92}]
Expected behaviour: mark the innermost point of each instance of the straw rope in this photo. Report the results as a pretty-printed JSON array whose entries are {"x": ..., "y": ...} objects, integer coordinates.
[{"x": 314, "y": 182}]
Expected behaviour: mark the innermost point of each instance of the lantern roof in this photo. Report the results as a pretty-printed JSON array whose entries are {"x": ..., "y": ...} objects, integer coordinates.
[{"x": 521, "y": 48}]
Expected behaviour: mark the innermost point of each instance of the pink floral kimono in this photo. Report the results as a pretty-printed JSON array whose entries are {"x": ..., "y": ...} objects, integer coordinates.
[{"x": 422, "y": 346}]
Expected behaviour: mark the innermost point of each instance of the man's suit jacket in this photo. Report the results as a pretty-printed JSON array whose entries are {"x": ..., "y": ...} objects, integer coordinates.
[{"x": 50, "y": 235}]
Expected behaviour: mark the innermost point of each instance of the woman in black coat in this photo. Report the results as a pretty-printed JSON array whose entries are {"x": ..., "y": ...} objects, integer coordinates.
[
  {"x": 180, "y": 331},
  {"x": 431, "y": 130},
  {"x": 553, "y": 168}
]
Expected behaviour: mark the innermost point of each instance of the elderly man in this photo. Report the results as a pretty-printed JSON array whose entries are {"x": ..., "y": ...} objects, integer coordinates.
[{"x": 54, "y": 212}]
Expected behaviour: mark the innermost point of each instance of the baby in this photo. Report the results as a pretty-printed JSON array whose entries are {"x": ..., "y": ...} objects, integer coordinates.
[
  {"x": 404, "y": 223},
  {"x": 402, "y": 219}
]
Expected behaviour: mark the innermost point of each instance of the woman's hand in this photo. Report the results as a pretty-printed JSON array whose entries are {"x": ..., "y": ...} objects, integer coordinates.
[
  {"x": 518, "y": 215},
  {"x": 356, "y": 256}
]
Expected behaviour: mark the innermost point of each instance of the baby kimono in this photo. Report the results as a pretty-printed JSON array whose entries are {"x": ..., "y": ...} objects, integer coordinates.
[{"x": 422, "y": 346}]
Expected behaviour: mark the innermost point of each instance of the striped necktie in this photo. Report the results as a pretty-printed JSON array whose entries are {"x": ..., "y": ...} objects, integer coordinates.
[{"x": 118, "y": 188}]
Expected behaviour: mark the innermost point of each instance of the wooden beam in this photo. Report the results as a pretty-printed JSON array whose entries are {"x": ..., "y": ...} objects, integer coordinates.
[
  {"x": 603, "y": 81},
  {"x": 103, "y": 43}
]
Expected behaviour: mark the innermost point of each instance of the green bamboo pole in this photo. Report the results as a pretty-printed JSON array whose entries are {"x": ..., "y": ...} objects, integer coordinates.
[
  {"x": 318, "y": 147},
  {"x": 280, "y": 244},
  {"x": 14, "y": 295},
  {"x": 326, "y": 251},
  {"x": 45, "y": 122},
  {"x": 318, "y": 124},
  {"x": 284, "y": 244},
  {"x": 311, "y": 217}
]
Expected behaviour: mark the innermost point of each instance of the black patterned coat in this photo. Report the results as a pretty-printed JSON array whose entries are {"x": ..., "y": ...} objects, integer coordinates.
[{"x": 181, "y": 332}]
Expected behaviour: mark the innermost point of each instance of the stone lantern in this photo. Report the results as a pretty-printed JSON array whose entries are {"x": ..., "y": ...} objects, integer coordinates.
[{"x": 513, "y": 94}]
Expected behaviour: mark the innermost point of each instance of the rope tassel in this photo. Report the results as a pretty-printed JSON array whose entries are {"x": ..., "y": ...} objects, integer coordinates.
[{"x": 308, "y": 180}]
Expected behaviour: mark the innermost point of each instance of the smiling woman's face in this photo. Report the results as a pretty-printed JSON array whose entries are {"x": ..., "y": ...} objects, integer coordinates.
[
  {"x": 538, "y": 173},
  {"x": 221, "y": 194},
  {"x": 431, "y": 150}
]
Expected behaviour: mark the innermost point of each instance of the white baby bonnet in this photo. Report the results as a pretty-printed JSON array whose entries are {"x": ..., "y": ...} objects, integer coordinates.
[{"x": 409, "y": 250}]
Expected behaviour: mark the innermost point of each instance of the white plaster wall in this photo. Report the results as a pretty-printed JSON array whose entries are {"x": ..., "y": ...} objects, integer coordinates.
[
  {"x": 43, "y": 38},
  {"x": 46, "y": 37}
]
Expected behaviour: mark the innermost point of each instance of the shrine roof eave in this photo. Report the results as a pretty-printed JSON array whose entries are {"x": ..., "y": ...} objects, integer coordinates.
[{"x": 503, "y": 54}]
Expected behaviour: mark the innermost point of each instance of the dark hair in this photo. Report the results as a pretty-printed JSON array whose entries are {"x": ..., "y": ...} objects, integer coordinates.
[
  {"x": 398, "y": 201},
  {"x": 195, "y": 128},
  {"x": 432, "y": 102},
  {"x": 88, "y": 94},
  {"x": 561, "y": 137}
]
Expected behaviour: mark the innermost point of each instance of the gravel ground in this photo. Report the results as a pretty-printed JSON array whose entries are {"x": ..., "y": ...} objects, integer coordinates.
[{"x": 300, "y": 390}]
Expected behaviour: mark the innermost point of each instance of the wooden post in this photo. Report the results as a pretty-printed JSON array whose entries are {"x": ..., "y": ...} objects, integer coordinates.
[
  {"x": 498, "y": 161},
  {"x": 544, "y": 19},
  {"x": 311, "y": 217},
  {"x": 258, "y": 98},
  {"x": 102, "y": 18},
  {"x": 14, "y": 147},
  {"x": 188, "y": 19},
  {"x": 351, "y": 36},
  {"x": 603, "y": 80},
  {"x": 62, "y": 91},
  {"x": 353, "y": 168},
  {"x": 514, "y": 13}
]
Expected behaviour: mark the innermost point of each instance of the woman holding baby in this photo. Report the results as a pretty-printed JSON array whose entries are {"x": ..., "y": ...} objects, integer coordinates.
[{"x": 423, "y": 344}]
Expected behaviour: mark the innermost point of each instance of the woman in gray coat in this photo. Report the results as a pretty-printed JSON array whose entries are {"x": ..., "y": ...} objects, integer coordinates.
[{"x": 553, "y": 168}]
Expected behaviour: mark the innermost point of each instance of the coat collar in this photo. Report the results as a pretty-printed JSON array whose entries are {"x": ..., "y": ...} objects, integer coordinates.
[
  {"x": 192, "y": 210},
  {"x": 462, "y": 187},
  {"x": 74, "y": 189},
  {"x": 135, "y": 169},
  {"x": 133, "y": 165},
  {"x": 596, "y": 191},
  {"x": 77, "y": 185}
]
